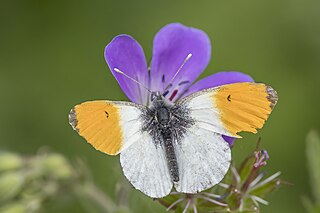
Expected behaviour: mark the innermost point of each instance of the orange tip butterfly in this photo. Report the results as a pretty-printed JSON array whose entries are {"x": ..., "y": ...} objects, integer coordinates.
[{"x": 179, "y": 144}]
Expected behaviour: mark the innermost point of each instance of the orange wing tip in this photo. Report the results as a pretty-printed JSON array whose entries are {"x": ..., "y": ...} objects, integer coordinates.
[
  {"x": 73, "y": 119},
  {"x": 98, "y": 122},
  {"x": 272, "y": 96}
]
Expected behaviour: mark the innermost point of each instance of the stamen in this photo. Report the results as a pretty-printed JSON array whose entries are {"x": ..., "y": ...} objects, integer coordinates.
[
  {"x": 183, "y": 82},
  {"x": 163, "y": 79},
  {"x": 165, "y": 93},
  {"x": 173, "y": 95}
]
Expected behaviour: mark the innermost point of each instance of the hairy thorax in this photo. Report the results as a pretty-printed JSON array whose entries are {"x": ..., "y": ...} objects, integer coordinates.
[{"x": 163, "y": 118}]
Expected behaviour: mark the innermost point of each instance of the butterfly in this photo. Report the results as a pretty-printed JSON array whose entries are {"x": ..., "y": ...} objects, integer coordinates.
[{"x": 179, "y": 144}]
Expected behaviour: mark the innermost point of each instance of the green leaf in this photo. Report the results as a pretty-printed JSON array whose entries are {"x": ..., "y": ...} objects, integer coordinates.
[{"x": 313, "y": 160}]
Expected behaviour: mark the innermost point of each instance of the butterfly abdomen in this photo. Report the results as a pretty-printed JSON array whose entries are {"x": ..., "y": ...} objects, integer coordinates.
[
  {"x": 170, "y": 155},
  {"x": 163, "y": 117}
]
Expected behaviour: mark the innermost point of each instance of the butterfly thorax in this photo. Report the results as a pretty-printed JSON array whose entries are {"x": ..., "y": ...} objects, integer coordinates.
[{"x": 167, "y": 123}]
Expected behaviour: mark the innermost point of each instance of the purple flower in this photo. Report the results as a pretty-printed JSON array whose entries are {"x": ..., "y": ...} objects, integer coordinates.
[{"x": 171, "y": 45}]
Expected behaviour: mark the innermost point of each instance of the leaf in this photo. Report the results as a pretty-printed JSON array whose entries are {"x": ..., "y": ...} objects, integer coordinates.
[{"x": 313, "y": 160}]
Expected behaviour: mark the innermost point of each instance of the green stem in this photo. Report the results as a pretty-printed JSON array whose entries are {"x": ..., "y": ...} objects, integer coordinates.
[{"x": 96, "y": 197}]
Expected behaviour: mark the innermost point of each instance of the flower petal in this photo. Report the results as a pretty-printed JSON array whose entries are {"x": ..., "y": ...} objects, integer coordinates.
[
  {"x": 126, "y": 54},
  {"x": 218, "y": 79},
  {"x": 171, "y": 46},
  {"x": 229, "y": 140}
]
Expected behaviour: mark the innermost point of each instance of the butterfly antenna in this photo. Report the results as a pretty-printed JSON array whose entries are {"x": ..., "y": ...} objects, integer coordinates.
[
  {"x": 175, "y": 75},
  {"x": 122, "y": 73}
]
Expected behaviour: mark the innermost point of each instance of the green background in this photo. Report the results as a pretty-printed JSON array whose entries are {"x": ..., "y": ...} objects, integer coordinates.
[{"x": 51, "y": 58}]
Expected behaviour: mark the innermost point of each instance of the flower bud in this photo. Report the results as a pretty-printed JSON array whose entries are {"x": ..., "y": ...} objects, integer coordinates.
[
  {"x": 9, "y": 161},
  {"x": 10, "y": 185},
  {"x": 15, "y": 207},
  {"x": 56, "y": 166}
]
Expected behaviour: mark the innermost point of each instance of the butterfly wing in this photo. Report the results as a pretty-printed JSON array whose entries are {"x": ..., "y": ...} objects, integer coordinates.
[
  {"x": 108, "y": 126},
  {"x": 114, "y": 127},
  {"x": 203, "y": 160},
  {"x": 203, "y": 156},
  {"x": 232, "y": 108},
  {"x": 145, "y": 166}
]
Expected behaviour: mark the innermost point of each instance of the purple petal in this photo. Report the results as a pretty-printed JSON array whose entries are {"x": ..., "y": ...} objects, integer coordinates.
[
  {"x": 171, "y": 46},
  {"x": 124, "y": 53},
  {"x": 229, "y": 140},
  {"x": 218, "y": 79}
]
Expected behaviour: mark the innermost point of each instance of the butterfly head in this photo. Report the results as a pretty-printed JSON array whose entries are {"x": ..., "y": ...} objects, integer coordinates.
[
  {"x": 157, "y": 99},
  {"x": 156, "y": 96}
]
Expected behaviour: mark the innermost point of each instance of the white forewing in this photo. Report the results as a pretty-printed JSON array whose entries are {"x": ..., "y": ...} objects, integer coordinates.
[
  {"x": 145, "y": 166},
  {"x": 131, "y": 123},
  {"x": 205, "y": 113},
  {"x": 203, "y": 160}
]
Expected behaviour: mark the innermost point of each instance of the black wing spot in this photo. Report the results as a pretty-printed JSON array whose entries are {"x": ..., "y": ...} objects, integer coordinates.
[
  {"x": 107, "y": 114},
  {"x": 163, "y": 79},
  {"x": 229, "y": 98}
]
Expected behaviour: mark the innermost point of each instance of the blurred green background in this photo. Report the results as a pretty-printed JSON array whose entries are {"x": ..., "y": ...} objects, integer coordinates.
[{"x": 51, "y": 58}]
